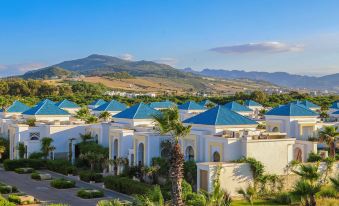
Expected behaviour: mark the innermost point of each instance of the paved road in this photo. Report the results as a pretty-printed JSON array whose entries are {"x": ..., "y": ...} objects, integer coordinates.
[{"x": 44, "y": 192}]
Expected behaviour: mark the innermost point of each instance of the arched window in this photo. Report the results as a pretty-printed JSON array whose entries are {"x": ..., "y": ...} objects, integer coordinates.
[
  {"x": 189, "y": 154},
  {"x": 298, "y": 154},
  {"x": 34, "y": 136},
  {"x": 141, "y": 154},
  {"x": 216, "y": 157},
  {"x": 275, "y": 129},
  {"x": 115, "y": 149}
]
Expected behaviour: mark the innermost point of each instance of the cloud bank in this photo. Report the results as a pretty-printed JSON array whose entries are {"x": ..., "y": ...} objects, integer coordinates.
[
  {"x": 128, "y": 57},
  {"x": 261, "y": 47}
]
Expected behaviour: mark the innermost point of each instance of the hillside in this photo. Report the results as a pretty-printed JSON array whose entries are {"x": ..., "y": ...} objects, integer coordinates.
[
  {"x": 329, "y": 82},
  {"x": 48, "y": 72}
]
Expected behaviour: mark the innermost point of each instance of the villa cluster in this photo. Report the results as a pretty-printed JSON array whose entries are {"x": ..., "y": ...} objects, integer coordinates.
[{"x": 220, "y": 133}]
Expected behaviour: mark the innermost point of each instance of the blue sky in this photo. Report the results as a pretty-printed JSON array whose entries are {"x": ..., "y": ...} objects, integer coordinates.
[{"x": 295, "y": 36}]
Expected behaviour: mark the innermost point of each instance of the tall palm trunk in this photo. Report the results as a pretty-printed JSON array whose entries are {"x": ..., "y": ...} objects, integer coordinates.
[
  {"x": 176, "y": 174},
  {"x": 312, "y": 200},
  {"x": 332, "y": 149}
]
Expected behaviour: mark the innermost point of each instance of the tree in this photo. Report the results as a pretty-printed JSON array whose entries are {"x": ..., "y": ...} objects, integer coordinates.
[
  {"x": 92, "y": 158},
  {"x": 46, "y": 146},
  {"x": 91, "y": 119},
  {"x": 168, "y": 122},
  {"x": 2, "y": 150},
  {"x": 83, "y": 113},
  {"x": 105, "y": 116},
  {"x": 22, "y": 150},
  {"x": 329, "y": 135},
  {"x": 85, "y": 137}
]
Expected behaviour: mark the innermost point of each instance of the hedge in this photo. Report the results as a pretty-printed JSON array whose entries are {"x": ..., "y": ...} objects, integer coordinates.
[
  {"x": 62, "y": 183},
  {"x": 61, "y": 166},
  {"x": 24, "y": 170},
  {"x": 126, "y": 185},
  {"x": 35, "y": 176},
  {"x": 88, "y": 176},
  {"x": 11, "y": 165},
  {"x": 90, "y": 193}
]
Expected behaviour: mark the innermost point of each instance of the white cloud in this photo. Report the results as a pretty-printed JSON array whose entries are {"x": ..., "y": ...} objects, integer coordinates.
[
  {"x": 17, "y": 69},
  {"x": 167, "y": 60},
  {"x": 261, "y": 47},
  {"x": 128, "y": 57}
]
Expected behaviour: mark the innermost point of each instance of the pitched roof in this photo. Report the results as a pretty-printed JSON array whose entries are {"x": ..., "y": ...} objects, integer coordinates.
[
  {"x": 306, "y": 103},
  {"x": 236, "y": 107},
  {"x": 163, "y": 105},
  {"x": 67, "y": 104},
  {"x": 335, "y": 105},
  {"x": 250, "y": 102},
  {"x": 220, "y": 115},
  {"x": 16, "y": 107},
  {"x": 206, "y": 102},
  {"x": 336, "y": 112},
  {"x": 46, "y": 108},
  {"x": 191, "y": 105},
  {"x": 138, "y": 111},
  {"x": 98, "y": 102},
  {"x": 291, "y": 109},
  {"x": 45, "y": 100},
  {"x": 111, "y": 106}
]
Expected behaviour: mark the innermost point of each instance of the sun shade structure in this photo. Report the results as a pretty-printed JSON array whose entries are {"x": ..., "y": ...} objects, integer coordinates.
[
  {"x": 16, "y": 107},
  {"x": 113, "y": 106},
  {"x": 138, "y": 111},
  {"x": 220, "y": 115},
  {"x": 291, "y": 109}
]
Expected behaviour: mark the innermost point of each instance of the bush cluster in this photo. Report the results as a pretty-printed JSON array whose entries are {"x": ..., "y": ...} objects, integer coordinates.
[
  {"x": 5, "y": 189},
  {"x": 62, "y": 183},
  {"x": 4, "y": 202},
  {"x": 312, "y": 157},
  {"x": 11, "y": 165},
  {"x": 90, "y": 193},
  {"x": 36, "y": 155},
  {"x": 61, "y": 166},
  {"x": 35, "y": 176},
  {"x": 126, "y": 185},
  {"x": 24, "y": 170},
  {"x": 88, "y": 176}
]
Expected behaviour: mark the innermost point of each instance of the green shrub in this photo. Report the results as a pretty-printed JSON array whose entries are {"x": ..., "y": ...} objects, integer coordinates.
[
  {"x": 312, "y": 157},
  {"x": 126, "y": 185},
  {"x": 61, "y": 166},
  {"x": 11, "y": 165},
  {"x": 194, "y": 199},
  {"x": 186, "y": 188},
  {"x": 24, "y": 170},
  {"x": 327, "y": 192},
  {"x": 5, "y": 189},
  {"x": 36, "y": 155},
  {"x": 88, "y": 176},
  {"x": 62, "y": 183},
  {"x": 4, "y": 202},
  {"x": 35, "y": 176},
  {"x": 90, "y": 193},
  {"x": 14, "y": 198},
  {"x": 283, "y": 198},
  {"x": 190, "y": 172},
  {"x": 163, "y": 165}
]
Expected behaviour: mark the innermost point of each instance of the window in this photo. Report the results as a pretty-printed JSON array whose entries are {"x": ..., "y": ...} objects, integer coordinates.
[
  {"x": 115, "y": 149},
  {"x": 216, "y": 157},
  {"x": 141, "y": 154},
  {"x": 34, "y": 135},
  {"x": 189, "y": 154}
]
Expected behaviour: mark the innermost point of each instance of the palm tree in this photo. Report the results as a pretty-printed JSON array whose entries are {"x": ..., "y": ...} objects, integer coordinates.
[
  {"x": 329, "y": 135},
  {"x": 91, "y": 119},
  {"x": 92, "y": 158},
  {"x": 2, "y": 150},
  {"x": 83, "y": 113},
  {"x": 168, "y": 122},
  {"x": 85, "y": 137},
  {"x": 46, "y": 146},
  {"x": 105, "y": 116},
  {"x": 335, "y": 182}
]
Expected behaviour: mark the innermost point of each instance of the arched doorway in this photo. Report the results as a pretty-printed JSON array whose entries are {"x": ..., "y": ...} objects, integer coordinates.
[
  {"x": 298, "y": 154},
  {"x": 189, "y": 153},
  {"x": 216, "y": 157},
  {"x": 115, "y": 149},
  {"x": 275, "y": 129},
  {"x": 141, "y": 154}
]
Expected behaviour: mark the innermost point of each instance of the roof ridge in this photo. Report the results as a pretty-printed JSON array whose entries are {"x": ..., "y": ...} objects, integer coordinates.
[
  {"x": 215, "y": 122},
  {"x": 137, "y": 110},
  {"x": 41, "y": 107}
]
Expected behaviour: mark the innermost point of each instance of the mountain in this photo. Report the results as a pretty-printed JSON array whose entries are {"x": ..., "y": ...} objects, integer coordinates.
[
  {"x": 100, "y": 64},
  {"x": 328, "y": 82},
  {"x": 48, "y": 72}
]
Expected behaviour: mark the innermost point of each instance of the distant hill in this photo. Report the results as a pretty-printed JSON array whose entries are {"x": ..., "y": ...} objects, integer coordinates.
[
  {"x": 329, "y": 82},
  {"x": 48, "y": 72},
  {"x": 100, "y": 65}
]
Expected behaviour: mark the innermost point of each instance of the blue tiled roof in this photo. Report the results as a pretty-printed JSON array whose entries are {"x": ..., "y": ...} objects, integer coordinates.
[
  {"x": 236, "y": 107},
  {"x": 306, "y": 103},
  {"x": 111, "y": 106},
  {"x": 98, "y": 102},
  {"x": 67, "y": 104},
  {"x": 44, "y": 101},
  {"x": 138, "y": 111},
  {"x": 291, "y": 110},
  {"x": 335, "y": 105},
  {"x": 336, "y": 112},
  {"x": 220, "y": 115},
  {"x": 16, "y": 107},
  {"x": 250, "y": 102},
  {"x": 206, "y": 102},
  {"x": 191, "y": 105},
  {"x": 162, "y": 105},
  {"x": 46, "y": 108}
]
